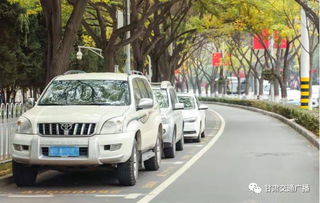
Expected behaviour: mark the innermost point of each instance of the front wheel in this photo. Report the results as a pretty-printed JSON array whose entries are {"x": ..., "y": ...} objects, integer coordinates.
[
  {"x": 198, "y": 139},
  {"x": 203, "y": 134},
  {"x": 23, "y": 175},
  {"x": 170, "y": 152},
  {"x": 128, "y": 171},
  {"x": 153, "y": 164},
  {"x": 180, "y": 143}
]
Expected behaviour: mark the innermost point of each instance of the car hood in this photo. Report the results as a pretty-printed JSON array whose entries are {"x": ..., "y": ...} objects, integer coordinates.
[
  {"x": 189, "y": 113},
  {"x": 84, "y": 114}
]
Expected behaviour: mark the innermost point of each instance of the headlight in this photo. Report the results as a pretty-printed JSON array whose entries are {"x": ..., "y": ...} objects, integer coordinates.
[
  {"x": 190, "y": 119},
  {"x": 114, "y": 125},
  {"x": 23, "y": 126}
]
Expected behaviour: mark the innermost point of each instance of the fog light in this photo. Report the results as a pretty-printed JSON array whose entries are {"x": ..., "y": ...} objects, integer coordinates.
[
  {"x": 115, "y": 147},
  {"x": 17, "y": 147}
]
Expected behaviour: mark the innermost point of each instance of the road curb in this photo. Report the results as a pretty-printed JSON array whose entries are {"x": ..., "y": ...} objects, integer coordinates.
[{"x": 312, "y": 138}]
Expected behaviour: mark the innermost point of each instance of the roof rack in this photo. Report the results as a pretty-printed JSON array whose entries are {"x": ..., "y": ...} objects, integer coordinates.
[
  {"x": 69, "y": 72},
  {"x": 135, "y": 72},
  {"x": 163, "y": 84}
]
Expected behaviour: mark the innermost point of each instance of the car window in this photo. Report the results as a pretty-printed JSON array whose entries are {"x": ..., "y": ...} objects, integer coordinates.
[
  {"x": 87, "y": 92},
  {"x": 173, "y": 97},
  {"x": 198, "y": 103},
  {"x": 188, "y": 102},
  {"x": 149, "y": 90},
  {"x": 143, "y": 89},
  {"x": 136, "y": 91},
  {"x": 162, "y": 97}
]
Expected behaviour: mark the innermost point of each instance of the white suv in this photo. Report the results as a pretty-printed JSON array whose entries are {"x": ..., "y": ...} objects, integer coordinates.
[
  {"x": 172, "y": 118},
  {"x": 88, "y": 120}
]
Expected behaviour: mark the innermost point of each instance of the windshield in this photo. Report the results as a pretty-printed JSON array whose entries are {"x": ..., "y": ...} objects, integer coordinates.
[
  {"x": 87, "y": 92},
  {"x": 187, "y": 101},
  {"x": 161, "y": 97}
]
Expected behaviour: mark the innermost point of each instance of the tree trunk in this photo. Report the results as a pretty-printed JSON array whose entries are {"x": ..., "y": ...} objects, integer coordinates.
[
  {"x": 247, "y": 90},
  {"x": 255, "y": 87},
  {"x": 220, "y": 82},
  {"x": 212, "y": 88},
  {"x": 276, "y": 90},
  {"x": 260, "y": 88},
  {"x": 108, "y": 61},
  {"x": 239, "y": 85},
  {"x": 59, "y": 47}
]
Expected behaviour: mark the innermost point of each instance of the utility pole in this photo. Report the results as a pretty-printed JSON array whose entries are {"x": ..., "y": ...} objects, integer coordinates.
[
  {"x": 272, "y": 81},
  {"x": 128, "y": 53},
  {"x": 305, "y": 63}
]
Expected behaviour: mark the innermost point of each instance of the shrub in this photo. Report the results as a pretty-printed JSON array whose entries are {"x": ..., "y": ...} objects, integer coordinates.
[{"x": 305, "y": 118}]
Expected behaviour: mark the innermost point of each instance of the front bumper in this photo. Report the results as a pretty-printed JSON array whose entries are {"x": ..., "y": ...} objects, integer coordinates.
[
  {"x": 96, "y": 150},
  {"x": 190, "y": 130}
]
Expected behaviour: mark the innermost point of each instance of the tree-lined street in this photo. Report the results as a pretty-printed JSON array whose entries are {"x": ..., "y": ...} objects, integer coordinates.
[
  {"x": 95, "y": 93},
  {"x": 266, "y": 153}
]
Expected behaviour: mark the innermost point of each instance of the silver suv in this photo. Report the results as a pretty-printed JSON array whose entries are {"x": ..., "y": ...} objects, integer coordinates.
[
  {"x": 172, "y": 118},
  {"x": 89, "y": 120}
]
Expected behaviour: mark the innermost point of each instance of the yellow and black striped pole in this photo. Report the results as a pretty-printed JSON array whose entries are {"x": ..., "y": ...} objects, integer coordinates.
[
  {"x": 304, "y": 63},
  {"x": 304, "y": 89}
]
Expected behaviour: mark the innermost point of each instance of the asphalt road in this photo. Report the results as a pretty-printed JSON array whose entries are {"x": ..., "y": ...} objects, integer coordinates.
[{"x": 242, "y": 148}]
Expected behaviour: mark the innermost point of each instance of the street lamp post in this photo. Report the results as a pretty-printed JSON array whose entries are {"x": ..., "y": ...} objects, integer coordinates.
[
  {"x": 92, "y": 49},
  {"x": 128, "y": 53}
]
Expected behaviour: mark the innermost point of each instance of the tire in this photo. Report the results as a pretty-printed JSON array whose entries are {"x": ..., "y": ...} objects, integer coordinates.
[
  {"x": 198, "y": 139},
  {"x": 128, "y": 171},
  {"x": 180, "y": 144},
  {"x": 24, "y": 175},
  {"x": 153, "y": 164},
  {"x": 203, "y": 135},
  {"x": 170, "y": 152}
]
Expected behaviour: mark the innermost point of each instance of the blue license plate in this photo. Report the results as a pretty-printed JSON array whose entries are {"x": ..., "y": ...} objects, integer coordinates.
[{"x": 64, "y": 151}]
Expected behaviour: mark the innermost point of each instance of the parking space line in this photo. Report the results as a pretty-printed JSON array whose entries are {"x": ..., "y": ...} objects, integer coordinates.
[
  {"x": 30, "y": 196},
  {"x": 110, "y": 195},
  {"x": 125, "y": 196},
  {"x": 133, "y": 196},
  {"x": 150, "y": 184},
  {"x": 172, "y": 162},
  {"x": 166, "y": 172},
  {"x": 154, "y": 193},
  {"x": 194, "y": 145}
]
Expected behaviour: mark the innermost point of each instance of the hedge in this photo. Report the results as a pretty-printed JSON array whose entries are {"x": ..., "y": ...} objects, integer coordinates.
[{"x": 305, "y": 118}]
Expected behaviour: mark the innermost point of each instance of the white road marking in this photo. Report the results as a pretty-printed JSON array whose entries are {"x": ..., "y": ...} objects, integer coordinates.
[
  {"x": 133, "y": 196},
  {"x": 172, "y": 162},
  {"x": 194, "y": 145},
  {"x": 126, "y": 196},
  {"x": 32, "y": 196},
  {"x": 110, "y": 195},
  {"x": 150, "y": 196}
]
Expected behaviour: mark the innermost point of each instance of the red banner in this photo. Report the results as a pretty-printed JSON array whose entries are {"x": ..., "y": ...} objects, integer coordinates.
[
  {"x": 216, "y": 59},
  {"x": 278, "y": 41},
  {"x": 261, "y": 41}
]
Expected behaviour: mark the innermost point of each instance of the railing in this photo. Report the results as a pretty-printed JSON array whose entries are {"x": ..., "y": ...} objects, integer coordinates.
[{"x": 9, "y": 113}]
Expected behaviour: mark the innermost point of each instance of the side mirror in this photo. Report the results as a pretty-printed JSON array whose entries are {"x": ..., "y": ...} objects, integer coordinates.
[
  {"x": 203, "y": 107},
  {"x": 178, "y": 106},
  {"x": 145, "y": 103},
  {"x": 30, "y": 103}
]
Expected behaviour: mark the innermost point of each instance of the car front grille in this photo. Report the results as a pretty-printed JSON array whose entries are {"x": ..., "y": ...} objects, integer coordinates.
[{"x": 66, "y": 129}]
